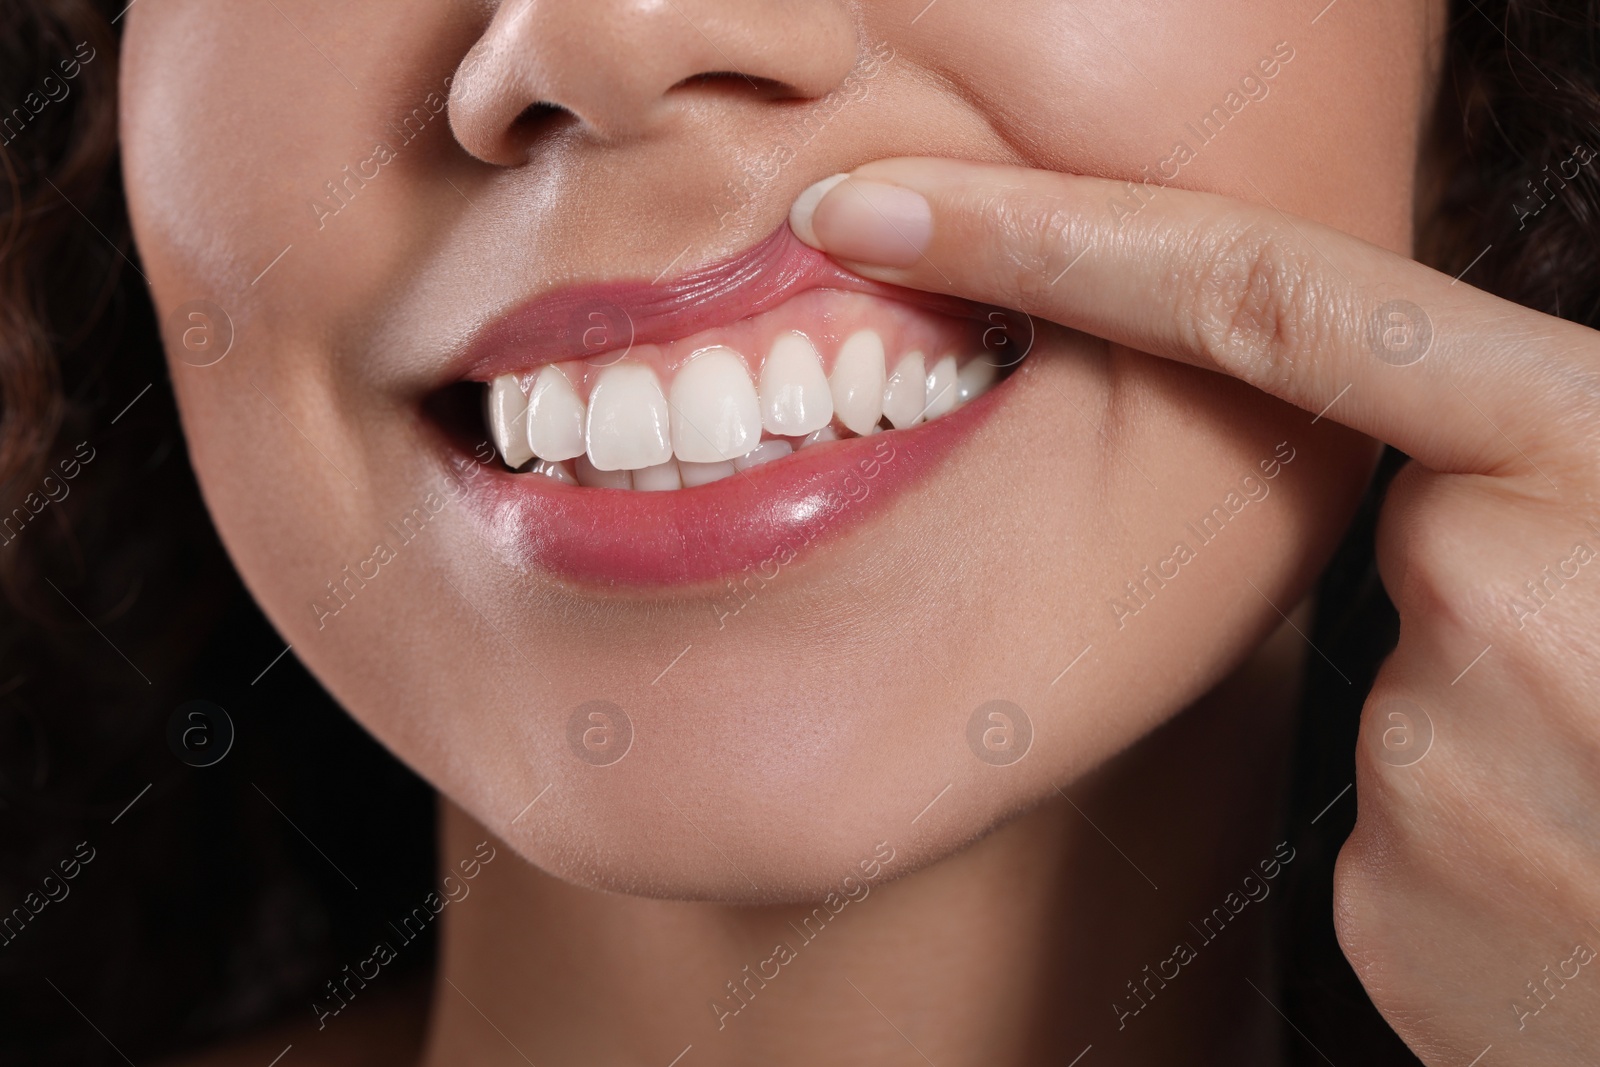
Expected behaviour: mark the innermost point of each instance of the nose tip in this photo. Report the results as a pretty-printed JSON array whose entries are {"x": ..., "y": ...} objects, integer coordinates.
[{"x": 622, "y": 70}]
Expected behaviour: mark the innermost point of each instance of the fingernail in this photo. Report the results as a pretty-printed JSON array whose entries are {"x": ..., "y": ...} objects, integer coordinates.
[
  {"x": 863, "y": 221},
  {"x": 805, "y": 205}
]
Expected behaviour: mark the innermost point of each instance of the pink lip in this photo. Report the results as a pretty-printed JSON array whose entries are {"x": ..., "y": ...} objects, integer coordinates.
[
  {"x": 589, "y": 320},
  {"x": 753, "y": 523}
]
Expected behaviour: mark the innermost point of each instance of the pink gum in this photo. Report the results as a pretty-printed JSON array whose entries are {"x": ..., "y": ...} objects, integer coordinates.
[{"x": 826, "y": 317}]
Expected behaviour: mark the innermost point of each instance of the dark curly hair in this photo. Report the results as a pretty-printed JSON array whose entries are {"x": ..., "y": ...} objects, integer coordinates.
[{"x": 203, "y": 910}]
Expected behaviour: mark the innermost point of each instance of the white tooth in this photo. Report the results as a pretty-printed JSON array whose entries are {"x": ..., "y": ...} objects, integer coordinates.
[
  {"x": 694, "y": 474},
  {"x": 660, "y": 477},
  {"x": 795, "y": 398},
  {"x": 507, "y": 407},
  {"x": 827, "y": 433},
  {"x": 555, "y": 416},
  {"x": 942, "y": 387},
  {"x": 594, "y": 478},
  {"x": 905, "y": 393},
  {"x": 975, "y": 379},
  {"x": 765, "y": 452},
  {"x": 857, "y": 381},
  {"x": 716, "y": 415},
  {"x": 561, "y": 472},
  {"x": 628, "y": 422}
]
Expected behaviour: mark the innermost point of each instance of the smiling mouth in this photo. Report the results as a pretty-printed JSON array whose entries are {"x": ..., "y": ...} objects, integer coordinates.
[
  {"x": 823, "y": 366},
  {"x": 650, "y": 435}
]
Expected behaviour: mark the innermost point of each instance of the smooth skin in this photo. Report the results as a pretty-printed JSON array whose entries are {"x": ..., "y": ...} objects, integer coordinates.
[{"x": 1473, "y": 866}]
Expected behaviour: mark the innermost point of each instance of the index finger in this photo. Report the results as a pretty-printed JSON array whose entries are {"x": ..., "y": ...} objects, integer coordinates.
[{"x": 1458, "y": 379}]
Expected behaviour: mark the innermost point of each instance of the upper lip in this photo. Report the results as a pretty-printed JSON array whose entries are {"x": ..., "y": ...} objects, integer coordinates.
[{"x": 578, "y": 321}]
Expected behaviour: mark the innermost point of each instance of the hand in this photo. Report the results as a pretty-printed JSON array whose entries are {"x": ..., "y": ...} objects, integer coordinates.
[{"x": 1468, "y": 895}]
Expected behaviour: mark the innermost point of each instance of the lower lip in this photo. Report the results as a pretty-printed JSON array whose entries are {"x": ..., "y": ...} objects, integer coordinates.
[{"x": 757, "y": 521}]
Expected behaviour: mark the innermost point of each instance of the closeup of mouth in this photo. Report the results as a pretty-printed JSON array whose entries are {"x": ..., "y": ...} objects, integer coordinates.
[{"x": 723, "y": 422}]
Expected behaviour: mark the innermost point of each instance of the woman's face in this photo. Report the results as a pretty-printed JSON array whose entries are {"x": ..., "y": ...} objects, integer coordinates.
[{"x": 384, "y": 206}]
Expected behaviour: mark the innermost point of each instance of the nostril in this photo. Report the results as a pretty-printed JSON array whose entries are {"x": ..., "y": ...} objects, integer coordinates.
[
  {"x": 732, "y": 80},
  {"x": 540, "y": 118}
]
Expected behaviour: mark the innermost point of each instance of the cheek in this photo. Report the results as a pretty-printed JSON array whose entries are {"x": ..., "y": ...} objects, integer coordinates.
[
  {"x": 233, "y": 127},
  {"x": 1142, "y": 559},
  {"x": 244, "y": 131},
  {"x": 1123, "y": 90}
]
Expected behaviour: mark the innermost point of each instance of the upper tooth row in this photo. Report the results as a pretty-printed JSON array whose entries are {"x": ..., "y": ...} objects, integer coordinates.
[{"x": 713, "y": 412}]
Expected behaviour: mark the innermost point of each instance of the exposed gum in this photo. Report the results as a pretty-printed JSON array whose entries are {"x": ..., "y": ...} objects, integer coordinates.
[{"x": 826, "y": 317}]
